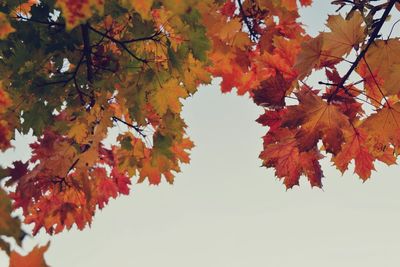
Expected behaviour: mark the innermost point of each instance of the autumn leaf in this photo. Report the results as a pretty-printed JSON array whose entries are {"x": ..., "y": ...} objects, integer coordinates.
[
  {"x": 272, "y": 92},
  {"x": 289, "y": 162},
  {"x": 5, "y": 26},
  {"x": 167, "y": 97},
  {"x": 24, "y": 9},
  {"x": 373, "y": 83},
  {"x": 385, "y": 125},
  {"x": 17, "y": 171},
  {"x": 180, "y": 150},
  {"x": 76, "y": 12},
  {"x": 35, "y": 258},
  {"x": 381, "y": 66},
  {"x": 143, "y": 7},
  {"x": 309, "y": 57},
  {"x": 344, "y": 36},
  {"x": 355, "y": 147},
  {"x": 129, "y": 64},
  {"x": 316, "y": 119}
]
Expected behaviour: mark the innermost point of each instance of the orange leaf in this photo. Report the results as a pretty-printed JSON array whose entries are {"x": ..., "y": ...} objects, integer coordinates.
[
  {"x": 317, "y": 119},
  {"x": 344, "y": 35},
  {"x": 78, "y": 11},
  {"x": 385, "y": 125},
  {"x": 5, "y": 26},
  {"x": 34, "y": 259},
  {"x": 384, "y": 63},
  {"x": 309, "y": 57},
  {"x": 355, "y": 148}
]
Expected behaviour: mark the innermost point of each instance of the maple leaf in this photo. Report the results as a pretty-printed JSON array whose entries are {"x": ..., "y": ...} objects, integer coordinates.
[
  {"x": 289, "y": 4},
  {"x": 77, "y": 11},
  {"x": 344, "y": 36},
  {"x": 272, "y": 119},
  {"x": 79, "y": 131},
  {"x": 272, "y": 92},
  {"x": 195, "y": 74},
  {"x": 151, "y": 170},
  {"x": 179, "y": 149},
  {"x": 372, "y": 83},
  {"x": 58, "y": 210},
  {"x": 317, "y": 119},
  {"x": 17, "y": 172},
  {"x": 355, "y": 147},
  {"x": 167, "y": 97},
  {"x": 228, "y": 9},
  {"x": 381, "y": 63},
  {"x": 309, "y": 56},
  {"x": 134, "y": 69},
  {"x": 289, "y": 163},
  {"x": 385, "y": 125},
  {"x": 121, "y": 180},
  {"x": 35, "y": 258},
  {"x": 24, "y": 9}
]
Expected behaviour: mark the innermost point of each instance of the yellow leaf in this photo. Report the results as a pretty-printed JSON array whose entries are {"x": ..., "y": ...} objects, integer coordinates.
[
  {"x": 143, "y": 7},
  {"x": 79, "y": 131},
  {"x": 384, "y": 63},
  {"x": 168, "y": 97},
  {"x": 195, "y": 74}
]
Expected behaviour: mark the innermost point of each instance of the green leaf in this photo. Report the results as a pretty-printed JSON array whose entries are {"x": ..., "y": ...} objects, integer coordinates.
[{"x": 37, "y": 118}]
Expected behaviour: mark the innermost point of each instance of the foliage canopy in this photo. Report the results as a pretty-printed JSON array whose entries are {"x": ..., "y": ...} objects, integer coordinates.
[{"x": 72, "y": 69}]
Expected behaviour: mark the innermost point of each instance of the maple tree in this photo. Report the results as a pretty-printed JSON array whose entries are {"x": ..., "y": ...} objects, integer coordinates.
[{"x": 71, "y": 70}]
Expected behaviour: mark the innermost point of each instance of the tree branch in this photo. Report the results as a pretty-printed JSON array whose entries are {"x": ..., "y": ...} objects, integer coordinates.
[
  {"x": 120, "y": 43},
  {"x": 246, "y": 21},
  {"x": 87, "y": 51},
  {"x": 136, "y": 128},
  {"x": 372, "y": 38},
  {"x": 49, "y": 23},
  {"x": 148, "y": 38}
]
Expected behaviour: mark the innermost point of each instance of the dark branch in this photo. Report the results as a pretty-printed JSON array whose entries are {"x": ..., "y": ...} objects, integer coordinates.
[
  {"x": 87, "y": 51},
  {"x": 136, "y": 128},
  {"x": 246, "y": 20},
  {"x": 120, "y": 43},
  {"x": 375, "y": 81},
  {"x": 49, "y": 23},
  {"x": 148, "y": 38},
  {"x": 372, "y": 38}
]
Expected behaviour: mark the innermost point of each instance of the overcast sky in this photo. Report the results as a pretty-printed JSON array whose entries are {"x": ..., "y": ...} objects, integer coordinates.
[{"x": 224, "y": 210}]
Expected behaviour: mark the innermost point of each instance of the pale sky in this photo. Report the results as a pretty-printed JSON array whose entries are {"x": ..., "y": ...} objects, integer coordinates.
[{"x": 224, "y": 210}]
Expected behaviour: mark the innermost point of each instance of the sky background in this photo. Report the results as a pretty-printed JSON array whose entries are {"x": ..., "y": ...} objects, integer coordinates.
[{"x": 225, "y": 210}]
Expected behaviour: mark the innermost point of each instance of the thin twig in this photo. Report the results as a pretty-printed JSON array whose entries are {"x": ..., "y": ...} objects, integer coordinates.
[
  {"x": 136, "y": 128},
  {"x": 120, "y": 43},
  {"x": 246, "y": 21}
]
